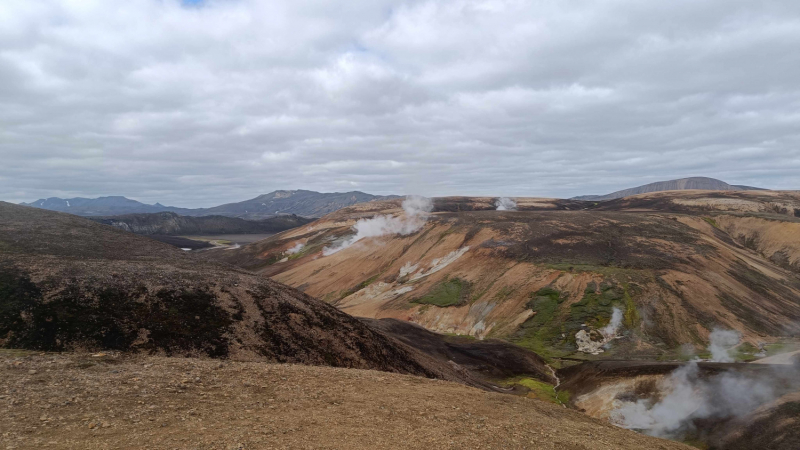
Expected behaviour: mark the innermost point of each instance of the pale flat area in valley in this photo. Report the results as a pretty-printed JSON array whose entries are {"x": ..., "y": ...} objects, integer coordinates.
[
  {"x": 240, "y": 239},
  {"x": 787, "y": 358}
]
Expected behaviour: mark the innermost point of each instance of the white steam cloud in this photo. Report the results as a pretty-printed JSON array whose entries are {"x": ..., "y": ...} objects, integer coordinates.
[
  {"x": 589, "y": 342},
  {"x": 720, "y": 343},
  {"x": 506, "y": 204},
  {"x": 685, "y": 396},
  {"x": 295, "y": 249},
  {"x": 610, "y": 330},
  {"x": 416, "y": 209}
]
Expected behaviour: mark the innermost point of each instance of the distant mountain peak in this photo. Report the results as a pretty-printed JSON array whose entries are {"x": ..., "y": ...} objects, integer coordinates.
[{"x": 701, "y": 183}]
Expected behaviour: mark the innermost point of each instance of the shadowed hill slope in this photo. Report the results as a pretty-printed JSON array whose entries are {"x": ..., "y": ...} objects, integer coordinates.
[
  {"x": 493, "y": 360},
  {"x": 69, "y": 283}
]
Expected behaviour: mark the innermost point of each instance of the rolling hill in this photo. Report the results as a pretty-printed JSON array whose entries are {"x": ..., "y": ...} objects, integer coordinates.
[
  {"x": 114, "y": 401},
  {"x": 70, "y": 283}
]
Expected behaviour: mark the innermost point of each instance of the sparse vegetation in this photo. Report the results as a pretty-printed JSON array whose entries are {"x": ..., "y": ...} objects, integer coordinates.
[
  {"x": 543, "y": 391},
  {"x": 539, "y": 332},
  {"x": 711, "y": 222},
  {"x": 631, "y": 317},
  {"x": 360, "y": 286},
  {"x": 450, "y": 292},
  {"x": 504, "y": 293},
  {"x": 551, "y": 331}
]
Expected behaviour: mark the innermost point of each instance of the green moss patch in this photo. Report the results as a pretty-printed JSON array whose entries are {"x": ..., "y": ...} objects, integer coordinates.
[
  {"x": 543, "y": 391},
  {"x": 711, "y": 222},
  {"x": 745, "y": 352},
  {"x": 450, "y": 292},
  {"x": 540, "y": 331},
  {"x": 551, "y": 331}
]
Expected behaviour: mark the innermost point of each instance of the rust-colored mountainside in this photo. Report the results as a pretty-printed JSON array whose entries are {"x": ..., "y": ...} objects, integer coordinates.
[{"x": 550, "y": 275}]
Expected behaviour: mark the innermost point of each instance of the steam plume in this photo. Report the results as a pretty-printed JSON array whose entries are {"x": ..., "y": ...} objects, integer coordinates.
[
  {"x": 610, "y": 330},
  {"x": 720, "y": 343},
  {"x": 506, "y": 204},
  {"x": 295, "y": 249},
  {"x": 416, "y": 209},
  {"x": 687, "y": 397}
]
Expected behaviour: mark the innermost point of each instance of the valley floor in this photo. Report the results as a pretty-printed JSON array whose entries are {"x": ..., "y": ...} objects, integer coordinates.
[{"x": 107, "y": 401}]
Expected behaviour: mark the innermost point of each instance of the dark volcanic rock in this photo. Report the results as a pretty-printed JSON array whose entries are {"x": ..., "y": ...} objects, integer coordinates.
[{"x": 487, "y": 360}]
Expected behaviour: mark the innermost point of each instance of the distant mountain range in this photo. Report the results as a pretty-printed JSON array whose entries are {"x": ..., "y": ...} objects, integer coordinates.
[
  {"x": 315, "y": 204},
  {"x": 102, "y": 206},
  {"x": 299, "y": 202},
  {"x": 703, "y": 183}
]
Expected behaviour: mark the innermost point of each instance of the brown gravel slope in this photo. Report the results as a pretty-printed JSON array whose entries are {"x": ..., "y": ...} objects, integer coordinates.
[{"x": 104, "y": 402}]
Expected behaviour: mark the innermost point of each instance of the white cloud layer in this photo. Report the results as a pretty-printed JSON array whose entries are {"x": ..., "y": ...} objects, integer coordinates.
[{"x": 200, "y": 104}]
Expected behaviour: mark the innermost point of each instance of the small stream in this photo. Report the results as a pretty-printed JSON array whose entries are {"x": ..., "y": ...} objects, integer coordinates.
[{"x": 558, "y": 383}]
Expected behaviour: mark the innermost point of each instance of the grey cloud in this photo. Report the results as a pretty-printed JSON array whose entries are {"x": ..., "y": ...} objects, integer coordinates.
[{"x": 199, "y": 105}]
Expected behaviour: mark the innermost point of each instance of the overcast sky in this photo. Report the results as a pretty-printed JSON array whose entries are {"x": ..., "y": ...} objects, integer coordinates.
[{"x": 197, "y": 104}]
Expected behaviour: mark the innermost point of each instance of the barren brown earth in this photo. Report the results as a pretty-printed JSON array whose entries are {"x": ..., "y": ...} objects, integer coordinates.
[{"x": 73, "y": 401}]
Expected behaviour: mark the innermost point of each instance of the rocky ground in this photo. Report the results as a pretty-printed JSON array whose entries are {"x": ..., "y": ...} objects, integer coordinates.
[{"x": 111, "y": 401}]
